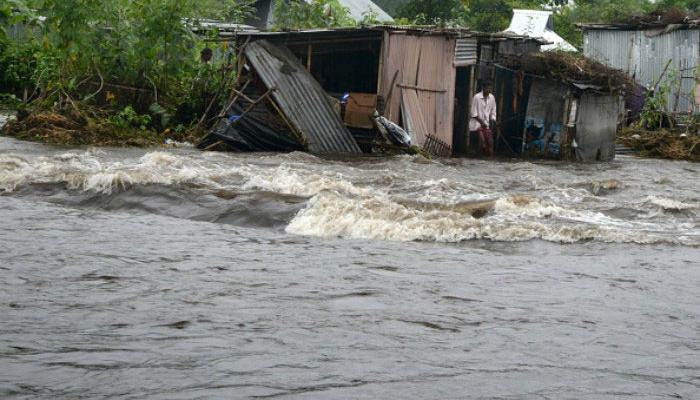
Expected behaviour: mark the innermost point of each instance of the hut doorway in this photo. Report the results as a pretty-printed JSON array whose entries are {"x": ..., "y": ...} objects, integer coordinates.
[{"x": 464, "y": 92}]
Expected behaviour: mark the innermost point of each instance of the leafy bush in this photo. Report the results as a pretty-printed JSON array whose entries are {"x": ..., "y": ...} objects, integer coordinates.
[
  {"x": 298, "y": 14},
  {"x": 18, "y": 64},
  {"x": 128, "y": 118}
]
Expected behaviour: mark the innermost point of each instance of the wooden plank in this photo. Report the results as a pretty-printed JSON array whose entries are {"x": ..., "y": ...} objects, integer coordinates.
[
  {"x": 422, "y": 89},
  {"x": 413, "y": 114}
]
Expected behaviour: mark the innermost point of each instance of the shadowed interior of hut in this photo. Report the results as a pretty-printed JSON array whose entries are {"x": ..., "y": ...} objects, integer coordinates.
[
  {"x": 464, "y": 89},
  {"x": 348, "y": 71},
  {"x": 350, "y": 67}
]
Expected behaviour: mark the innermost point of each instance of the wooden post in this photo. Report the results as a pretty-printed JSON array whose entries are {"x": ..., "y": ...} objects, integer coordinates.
[
  {"x": 380, "y": 73},
  {"x": 500, "y": 115},
  {"x": 469, "y": 104}
]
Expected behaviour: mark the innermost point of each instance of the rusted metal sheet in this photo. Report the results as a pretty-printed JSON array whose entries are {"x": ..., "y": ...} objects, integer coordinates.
[
  {"x": 300, "y": 98},
  {"x": 423, "y": 64}
]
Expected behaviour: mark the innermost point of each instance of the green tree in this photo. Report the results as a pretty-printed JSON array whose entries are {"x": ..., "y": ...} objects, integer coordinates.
[
  {"x": 235, "y": 11},
  {"x": 429, "y": 11},
  {"x": 83, "y": 45},
  {"x": 300, "y": 14},
  {"x": 12, "y": 12},
  {"x": 685, "y": 5}
]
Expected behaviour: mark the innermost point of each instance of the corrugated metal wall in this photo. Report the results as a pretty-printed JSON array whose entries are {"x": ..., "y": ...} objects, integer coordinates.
[
  {"x": 644, "y": 56},
  {"x": 466, "y": 52},
  {"x": 425, "y": 64}
]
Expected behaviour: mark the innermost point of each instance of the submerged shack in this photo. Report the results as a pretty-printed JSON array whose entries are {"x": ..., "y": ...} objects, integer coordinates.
[
  {"x": 559, "y": 105},
  {"x": 317, "y": 90}
]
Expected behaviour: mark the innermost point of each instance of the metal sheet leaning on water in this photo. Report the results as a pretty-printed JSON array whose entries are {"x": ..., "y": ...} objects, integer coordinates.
[{"x": 300, "y": 97}]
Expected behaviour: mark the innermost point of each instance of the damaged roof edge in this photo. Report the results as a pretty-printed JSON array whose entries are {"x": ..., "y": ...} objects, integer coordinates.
[
  {"x": 640, "y": 26},
  {"x": 378, "y": 29}
]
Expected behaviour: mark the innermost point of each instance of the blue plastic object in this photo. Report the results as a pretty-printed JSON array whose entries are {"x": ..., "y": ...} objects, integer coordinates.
[
  {"x": 535, "y": 129},
  {"x": 555, "y": 137}
]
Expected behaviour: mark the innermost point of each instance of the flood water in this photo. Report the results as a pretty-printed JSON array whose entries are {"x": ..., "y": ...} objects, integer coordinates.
[{"x": 177, "y": 274}]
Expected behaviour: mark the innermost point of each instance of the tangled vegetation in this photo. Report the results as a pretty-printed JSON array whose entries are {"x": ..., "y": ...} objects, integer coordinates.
[
  {"x": 668, "y": 143},
  {"x": 134, "y": 70},
  {"x": 660, "y": 134},
  {"x": 571, "y": 67}
]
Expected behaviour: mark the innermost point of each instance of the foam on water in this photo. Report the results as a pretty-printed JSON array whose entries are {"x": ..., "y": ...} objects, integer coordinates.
[
  {"x": 285, "y": 180},
  {"x": 379, "y": 203},
  {"x": 512, "y": 218},
  {"x": 86, "y": 172},
  {"x": 669, "y": 204}
]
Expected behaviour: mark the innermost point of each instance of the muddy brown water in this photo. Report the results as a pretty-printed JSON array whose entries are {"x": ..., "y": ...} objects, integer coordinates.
[{"x": 176, "y": 274}]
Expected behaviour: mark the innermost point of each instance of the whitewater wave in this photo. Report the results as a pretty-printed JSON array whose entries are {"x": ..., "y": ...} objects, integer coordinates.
[
  {"x": 511, "y": 218},
  {"x": 86, "y": 172},
  {"x": 373, "y": 203},
  {"x": 285, "y": 180},
  {"x": 669, "y": 204}
]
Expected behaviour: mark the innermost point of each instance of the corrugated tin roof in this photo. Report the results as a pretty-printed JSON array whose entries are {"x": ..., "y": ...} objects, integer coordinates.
[
  {"x": 206, "y": 24},
  {"x": 370, "y": 30},
  {"x": 300, "y": 98},
  {"x": 642, "y": 26},
  {"x": 538, "y": 24},
  {"x": 530, "y": 22},
  {"x": 557, "y": 42}
]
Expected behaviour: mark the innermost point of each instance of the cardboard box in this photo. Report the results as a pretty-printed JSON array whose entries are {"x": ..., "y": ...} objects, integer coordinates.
[{"x": 359, "y": 110}]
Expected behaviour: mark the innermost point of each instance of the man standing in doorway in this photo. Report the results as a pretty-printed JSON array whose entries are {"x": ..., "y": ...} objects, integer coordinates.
[{"x": 482, "y": 114}]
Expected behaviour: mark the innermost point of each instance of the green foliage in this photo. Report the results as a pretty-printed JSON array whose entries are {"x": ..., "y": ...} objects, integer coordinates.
[
  {"x": 9, "y": 101},
  {"x": 488, "y": 15},
  {"x": 370, "y": 18},
  {"x": 86, "y": 48},
  {"x": 299, "y": 14},
  {"x": 235, "y": 11},
  {"x": 17, "y": 66},
  {"x": 12, "y": 12},
  {"x": 692, "y": 6},
  {"x": 128, "y": 118},
  {"x": 429, "y": 11},
  {"x": 655, "y": 105}
]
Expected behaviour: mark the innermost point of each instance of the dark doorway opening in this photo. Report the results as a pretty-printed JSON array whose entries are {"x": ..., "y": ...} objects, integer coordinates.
[{"x": 463, "y": 95}]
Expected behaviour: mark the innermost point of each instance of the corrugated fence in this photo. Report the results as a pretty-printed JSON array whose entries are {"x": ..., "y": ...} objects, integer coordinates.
[{"x": 644, "y": 56}]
